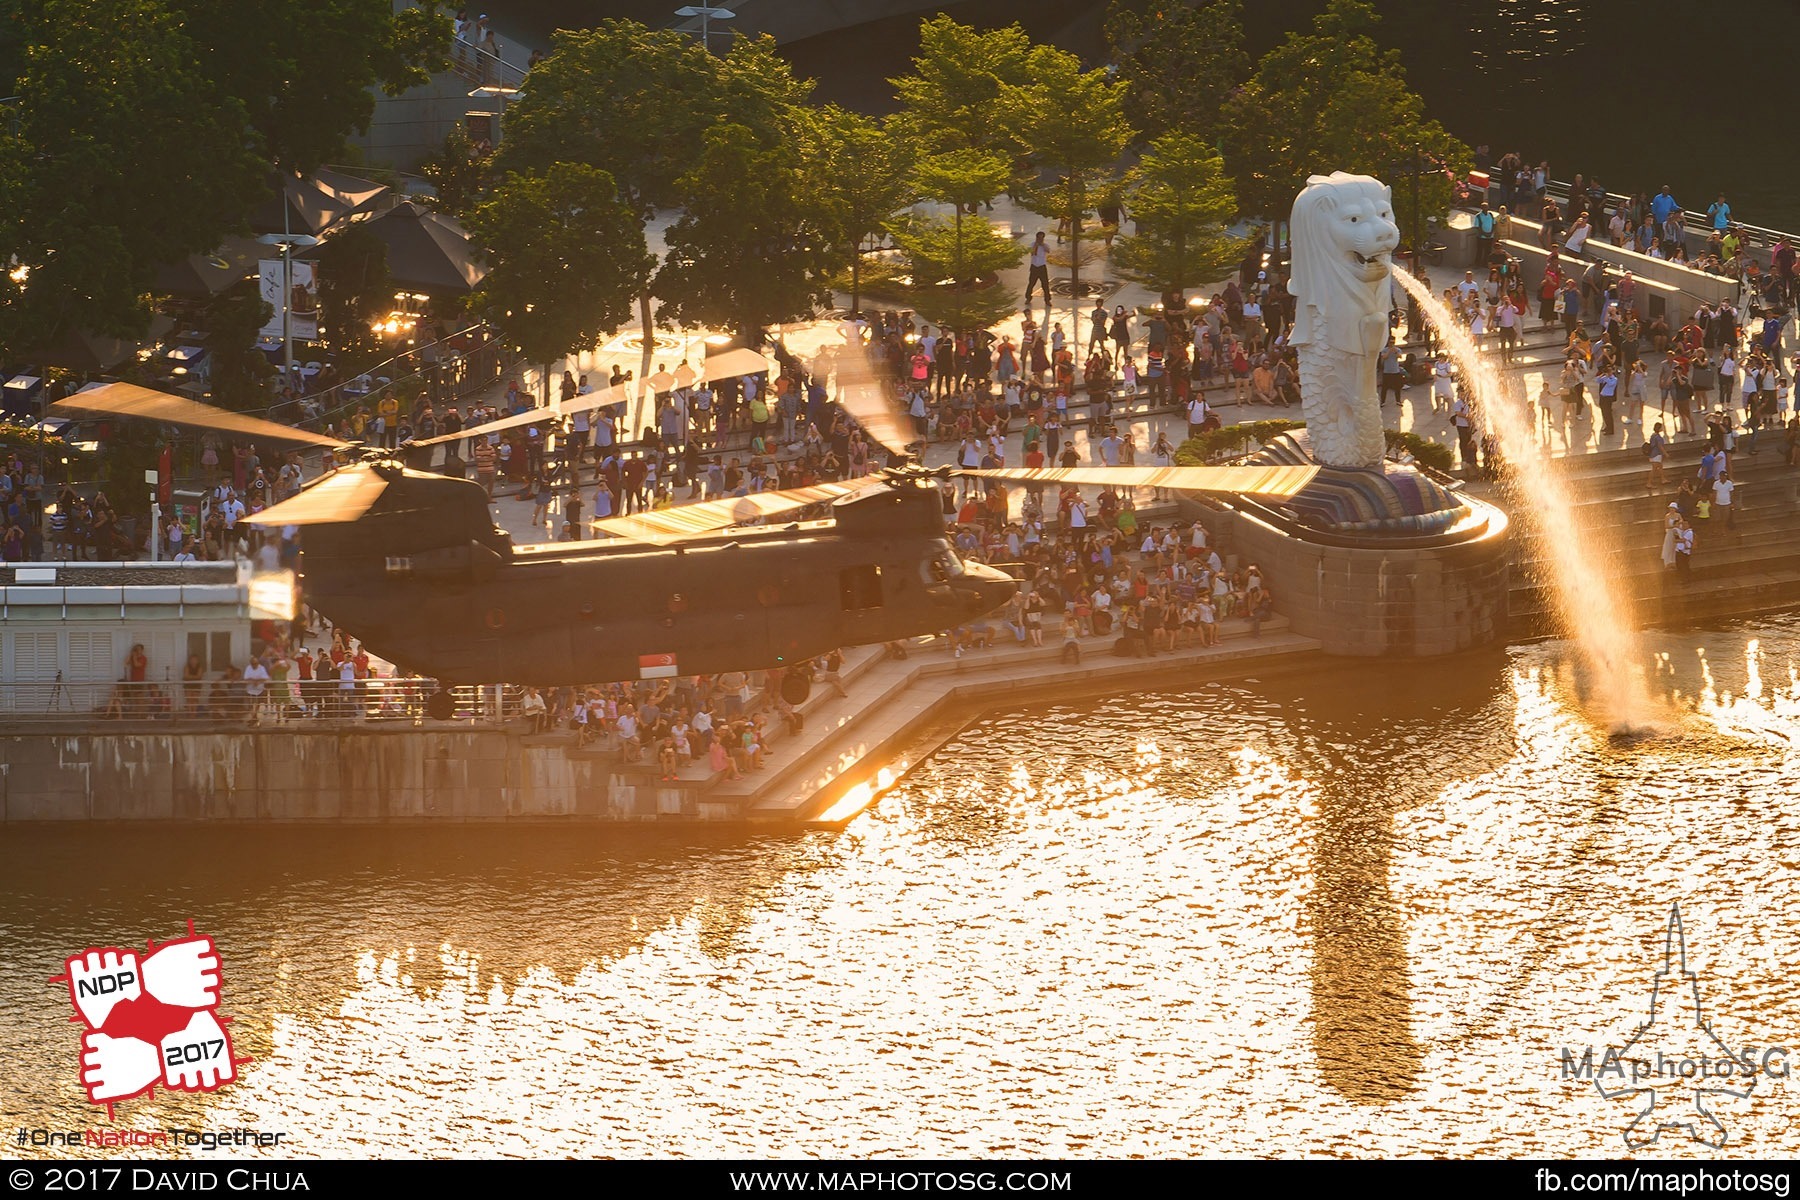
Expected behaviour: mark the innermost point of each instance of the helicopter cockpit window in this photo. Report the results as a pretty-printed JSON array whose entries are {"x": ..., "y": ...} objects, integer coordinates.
[{"x": 942, "y": 567}]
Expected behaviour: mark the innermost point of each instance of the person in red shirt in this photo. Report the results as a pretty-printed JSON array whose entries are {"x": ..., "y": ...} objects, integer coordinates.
[{"x": 136, "y": 663}]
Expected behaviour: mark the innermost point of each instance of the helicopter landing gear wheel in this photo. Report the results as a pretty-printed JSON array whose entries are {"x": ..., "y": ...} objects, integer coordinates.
[
  {"x": 441, "y": 706},
  {"x": 796, "y": 686}
]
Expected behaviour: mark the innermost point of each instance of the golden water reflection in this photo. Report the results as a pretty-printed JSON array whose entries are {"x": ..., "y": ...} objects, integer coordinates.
[{"x": 1356, "y": 910}]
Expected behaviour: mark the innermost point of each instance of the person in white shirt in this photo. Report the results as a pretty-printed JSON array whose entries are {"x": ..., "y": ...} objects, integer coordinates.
[
  {"x": 1578, "y": 236},
  {"x": 256, "y": 687},
  {"x": 1040, "y": 270},
  {"x": 1723, "y": 488},
  {"x": 1443, "y": 387}
]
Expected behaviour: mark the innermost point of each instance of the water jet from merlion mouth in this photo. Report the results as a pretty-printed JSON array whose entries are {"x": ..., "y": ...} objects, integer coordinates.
[{"x": 1591, "y": 608}]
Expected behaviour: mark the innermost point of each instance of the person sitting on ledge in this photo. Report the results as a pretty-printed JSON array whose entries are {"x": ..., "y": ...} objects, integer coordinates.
[
  {"x": 1071, "y": 632},
  {"x": 1259, "y": 606}
]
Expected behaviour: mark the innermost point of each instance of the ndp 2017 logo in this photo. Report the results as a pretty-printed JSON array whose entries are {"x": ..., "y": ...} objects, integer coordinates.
[{"x": 150, "y": 1019}]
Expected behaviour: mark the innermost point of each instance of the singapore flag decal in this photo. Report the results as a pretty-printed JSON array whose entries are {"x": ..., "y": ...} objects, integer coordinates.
[{"x": 150, "y": 1019}]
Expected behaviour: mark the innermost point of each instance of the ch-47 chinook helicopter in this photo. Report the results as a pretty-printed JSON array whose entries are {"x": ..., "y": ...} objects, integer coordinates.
[{"x": 412, "y": 564}]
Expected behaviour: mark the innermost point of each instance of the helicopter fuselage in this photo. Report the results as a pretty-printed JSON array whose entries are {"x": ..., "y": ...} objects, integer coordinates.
[{"x": 426, "y": 581}]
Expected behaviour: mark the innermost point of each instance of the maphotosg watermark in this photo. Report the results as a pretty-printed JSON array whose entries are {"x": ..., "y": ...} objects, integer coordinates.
[
  {"x": 1626, "y": 1067},
  {"x": 1677, "y": 1073}
]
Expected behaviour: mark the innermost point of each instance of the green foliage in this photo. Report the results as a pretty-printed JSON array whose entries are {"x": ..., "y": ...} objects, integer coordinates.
[
  {"x": 1181, "y": 201},
  {"x": 1230, "y": 440},
  {"x": 950, "y": 101},
  {"x": 565, "y": 255},
  {"x": 1178, "y": 60},
  {"x": 24, "y": 438},
  {"x": 323, "y": 56},
  {"x": 354, "y": 290},
  {"x": 962, "y": 178},
  {"x": 860, "y": 174},
  {"x": 145, "y": 130},
  {"x": 751, "y": 246},
  {"x": 240, "y": 372},
  {"x": 962, "y": 306},
  {"x": 1423, "y": 449},
  {"x": 138, "y": 170},
  {"x": 457, "y": 173},
  {"x": 956, "y": 260},
  {"x": 1333, "y": 100},
  {"x": 621, "y": 98},
  {"x": 1073, "y": 122}
]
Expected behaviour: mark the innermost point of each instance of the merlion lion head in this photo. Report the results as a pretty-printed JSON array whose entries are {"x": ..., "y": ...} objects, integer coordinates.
[{"x": 1343, "y": 232}]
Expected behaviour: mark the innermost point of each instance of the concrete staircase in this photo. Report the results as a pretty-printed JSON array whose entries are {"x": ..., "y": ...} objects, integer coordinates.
[
  {"x": 891, "y": 703},
  {"x": 1752, "y": 568}
]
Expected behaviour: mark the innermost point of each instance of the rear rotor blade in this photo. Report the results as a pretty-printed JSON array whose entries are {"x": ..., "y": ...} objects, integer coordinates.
[
  {"x": 342, "y": 497},
  {"x": 1260, "y": 481},
  {"x": 731, "y": 364},
  {"x": 130, "y": 400},
  {"x": 666, "y": 525}
]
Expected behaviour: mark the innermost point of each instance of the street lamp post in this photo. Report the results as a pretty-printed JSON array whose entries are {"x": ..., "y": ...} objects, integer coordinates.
[
  {"x": 707, "y": 15},
  {"x": 287, "y": 240}
]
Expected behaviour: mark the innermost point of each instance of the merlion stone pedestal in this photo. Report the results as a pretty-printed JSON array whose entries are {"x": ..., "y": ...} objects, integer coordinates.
[{"x": 1372, "y": 557}]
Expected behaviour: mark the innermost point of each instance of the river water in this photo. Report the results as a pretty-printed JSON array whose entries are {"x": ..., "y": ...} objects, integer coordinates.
[{"x": 1360, "y": 909}]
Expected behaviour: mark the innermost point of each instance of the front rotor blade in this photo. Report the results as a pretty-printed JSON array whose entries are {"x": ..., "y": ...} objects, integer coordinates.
[
  {"x": 665, "y": 525},
  {"x": 342, "y": 497},
  {"x": 866, "y": 398},
  {"x": 1260, "y": 481},
  {"x": 531, "y": 416},
  {"x": 130, "y": 400}
]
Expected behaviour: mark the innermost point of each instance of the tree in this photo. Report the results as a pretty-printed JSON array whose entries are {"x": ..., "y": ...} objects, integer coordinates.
[
  {"x": 863, "y": 172},
  {"x": 950, "y": 101},
  {"x": 145, "y": 130},
  {"x": 325, "y": 58},
  {"x": 240, "y": 372},
  {"x": 1332, "y": 99},
  {"x": 1072, "y": 121},
  {"x": 1178, "y": 60},
  {"x": 750, "y": 248},
  {"x": 956, "y": 261},
  {"x": 125, "y": 158},
  {"x": 955, "y": 271},
  {"x": 1181, "y": 201},
  {"x": 354, "y": 290},
  {"x": 621, "y": 98},
  {"x": 458, "y": 173},
  {"x": 566, "y": 257}
]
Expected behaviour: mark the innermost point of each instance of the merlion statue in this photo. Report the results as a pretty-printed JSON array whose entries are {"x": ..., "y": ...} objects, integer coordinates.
[{"x": 1343, "y": 232}]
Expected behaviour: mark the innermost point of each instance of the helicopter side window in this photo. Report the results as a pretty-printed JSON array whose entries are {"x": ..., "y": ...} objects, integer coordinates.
[{"x": 860, "y": 587}]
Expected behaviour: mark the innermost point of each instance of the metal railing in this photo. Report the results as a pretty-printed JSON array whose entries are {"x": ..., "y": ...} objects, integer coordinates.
[
  {"x": 483, "y": 66},
  {"x": 454, "y": 374},
  {"x": 1693, "y": 223},
  {"x": 222, "y": 701}
]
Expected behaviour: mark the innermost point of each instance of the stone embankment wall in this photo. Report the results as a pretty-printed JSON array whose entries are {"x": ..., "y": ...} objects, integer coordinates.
[{"x": 345, "y": 775}]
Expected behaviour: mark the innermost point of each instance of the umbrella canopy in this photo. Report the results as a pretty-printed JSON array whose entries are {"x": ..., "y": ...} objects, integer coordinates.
[
  {"x": 203, "y": 276},
  {"x": 79, "y": 351},
  {"x": 313, "y": 204},
  {"x": 426, "y": 251}
]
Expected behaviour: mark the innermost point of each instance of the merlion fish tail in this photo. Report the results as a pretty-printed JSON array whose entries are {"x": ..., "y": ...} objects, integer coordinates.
[{"x": 1331, "y": 387}]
